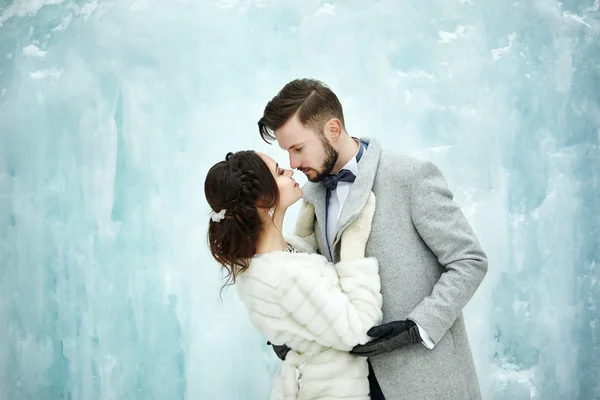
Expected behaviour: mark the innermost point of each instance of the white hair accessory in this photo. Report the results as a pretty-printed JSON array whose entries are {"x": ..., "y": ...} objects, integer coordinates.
[{"x": 216, "y": 217}]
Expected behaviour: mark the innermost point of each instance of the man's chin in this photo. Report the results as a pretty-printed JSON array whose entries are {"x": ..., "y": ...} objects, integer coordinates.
[{"x": 313, "y": 176}]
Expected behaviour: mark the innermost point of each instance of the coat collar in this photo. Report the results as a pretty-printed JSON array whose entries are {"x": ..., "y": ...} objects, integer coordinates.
[{"x": 315, "y": 193}]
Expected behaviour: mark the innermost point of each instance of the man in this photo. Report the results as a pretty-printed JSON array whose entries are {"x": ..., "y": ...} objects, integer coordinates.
[{"x": 430, "y": 261}]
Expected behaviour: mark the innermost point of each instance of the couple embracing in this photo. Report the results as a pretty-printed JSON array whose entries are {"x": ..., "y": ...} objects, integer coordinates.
[{"x": 364, "y": 300}]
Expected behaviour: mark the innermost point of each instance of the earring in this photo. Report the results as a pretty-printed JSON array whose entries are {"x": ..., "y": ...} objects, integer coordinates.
[{"x": 271, "y": 212}]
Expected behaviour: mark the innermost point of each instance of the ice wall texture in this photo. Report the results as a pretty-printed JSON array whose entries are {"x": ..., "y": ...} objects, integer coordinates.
[{"x": 111, "y": 113}]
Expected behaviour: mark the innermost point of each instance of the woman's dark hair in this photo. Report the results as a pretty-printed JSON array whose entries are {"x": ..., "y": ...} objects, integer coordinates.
[{"x": 238, "y": 185}]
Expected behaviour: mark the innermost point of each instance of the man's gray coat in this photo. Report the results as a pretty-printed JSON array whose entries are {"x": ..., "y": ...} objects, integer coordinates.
[{"x": 430, "y": 263}]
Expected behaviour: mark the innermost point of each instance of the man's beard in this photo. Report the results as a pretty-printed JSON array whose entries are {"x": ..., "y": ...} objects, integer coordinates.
[{"x": 331, "y": 157}]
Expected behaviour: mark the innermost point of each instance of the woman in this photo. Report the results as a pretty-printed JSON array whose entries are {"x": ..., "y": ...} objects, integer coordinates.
[{"x": 294, "y": 296}]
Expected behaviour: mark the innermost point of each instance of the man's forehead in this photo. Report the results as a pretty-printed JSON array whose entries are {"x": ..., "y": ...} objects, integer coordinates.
[
  {"x": 289, "y": 139},
  {"x": 289, "y": 145},
  {"x": 285, "y": 140}
]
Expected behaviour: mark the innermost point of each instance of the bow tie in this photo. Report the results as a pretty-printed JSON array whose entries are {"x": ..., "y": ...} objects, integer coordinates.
[{"x": 331, "y": 181}]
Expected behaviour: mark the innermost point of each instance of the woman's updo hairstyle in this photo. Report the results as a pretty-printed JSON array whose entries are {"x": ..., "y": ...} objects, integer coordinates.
[{"x": 239, "y": 185}]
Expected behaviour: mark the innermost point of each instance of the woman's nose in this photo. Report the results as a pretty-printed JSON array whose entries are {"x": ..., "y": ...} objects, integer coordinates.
[{"x": 290, "y": 173}]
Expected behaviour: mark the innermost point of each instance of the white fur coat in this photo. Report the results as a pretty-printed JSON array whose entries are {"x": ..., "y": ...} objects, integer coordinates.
[{"x": 318, "y": 309}]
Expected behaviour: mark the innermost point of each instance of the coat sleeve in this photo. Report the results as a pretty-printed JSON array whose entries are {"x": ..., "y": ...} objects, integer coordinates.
[
  {"x": 334, "y": 314},
  {"x": 443, "y": 227}
]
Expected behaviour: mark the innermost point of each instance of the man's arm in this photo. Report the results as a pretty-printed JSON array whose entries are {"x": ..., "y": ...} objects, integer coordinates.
[{"x": 442, "y": 225}]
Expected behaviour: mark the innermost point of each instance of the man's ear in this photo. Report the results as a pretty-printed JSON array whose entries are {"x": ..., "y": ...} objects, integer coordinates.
[{"x": 333, "y": 128}]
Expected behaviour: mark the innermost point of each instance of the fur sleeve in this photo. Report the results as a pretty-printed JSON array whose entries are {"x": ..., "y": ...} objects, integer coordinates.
[{"x": 334, "y": 314}]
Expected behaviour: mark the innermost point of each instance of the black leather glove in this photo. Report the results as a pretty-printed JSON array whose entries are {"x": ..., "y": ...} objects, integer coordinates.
[
  {"x": 281, "y": 351},
  {"x": 388, "y": 337}
]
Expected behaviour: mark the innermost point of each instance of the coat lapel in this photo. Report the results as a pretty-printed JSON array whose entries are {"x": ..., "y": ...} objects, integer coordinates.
[
  {"x": 315, "y": 193},
  {"x": 360, "y": 189}
]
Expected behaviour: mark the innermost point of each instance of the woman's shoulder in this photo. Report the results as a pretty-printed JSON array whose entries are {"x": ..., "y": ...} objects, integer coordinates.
[
  {"x": 268, "y": 271},
  {"x": 277, "y": 265},
  {"x": 282, "y": 260}
]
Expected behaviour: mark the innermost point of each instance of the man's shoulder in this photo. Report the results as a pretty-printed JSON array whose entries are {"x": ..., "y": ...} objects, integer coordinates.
[
  {"x": 402, "y": 166},
  {"x": 401, "y": 158}
]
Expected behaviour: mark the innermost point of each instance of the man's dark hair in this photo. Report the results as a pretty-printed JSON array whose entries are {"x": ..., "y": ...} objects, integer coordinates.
[{"x": 312, "y": 100}]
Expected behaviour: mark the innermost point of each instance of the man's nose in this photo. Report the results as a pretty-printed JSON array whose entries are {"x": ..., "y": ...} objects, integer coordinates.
[{"x": 294, "y": 164}]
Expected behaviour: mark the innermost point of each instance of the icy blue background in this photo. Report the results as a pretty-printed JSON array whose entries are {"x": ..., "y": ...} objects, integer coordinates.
[{"x": 112, "y": 111}]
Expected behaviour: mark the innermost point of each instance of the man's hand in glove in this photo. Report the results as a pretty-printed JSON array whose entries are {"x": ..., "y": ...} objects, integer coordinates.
[
  {"x": 281, "y": 351},
  {"x": 388, "y": 337}
]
